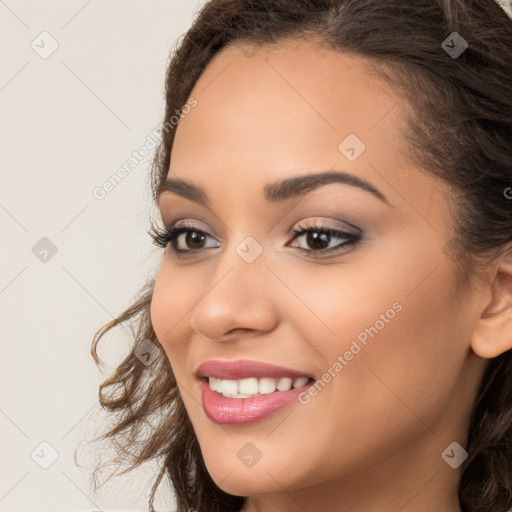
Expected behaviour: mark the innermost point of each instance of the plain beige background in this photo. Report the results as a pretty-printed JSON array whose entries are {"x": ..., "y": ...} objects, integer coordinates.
[{"x": 81, "y": 87}]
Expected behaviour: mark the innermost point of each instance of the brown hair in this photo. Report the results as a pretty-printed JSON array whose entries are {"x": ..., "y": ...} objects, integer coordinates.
[{"x": 459, "y": 130}]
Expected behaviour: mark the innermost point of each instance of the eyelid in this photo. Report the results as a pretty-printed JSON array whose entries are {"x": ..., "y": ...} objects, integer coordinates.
[
  {"x": 184, "y": 222},
  {"x": 322, "y": 224},
  {"x": 302, "y": 225},
  {"x": 170, "y": 235}
]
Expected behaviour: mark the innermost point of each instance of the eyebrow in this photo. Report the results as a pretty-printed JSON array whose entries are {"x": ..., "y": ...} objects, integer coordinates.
[{"x": 279, "y": 191}]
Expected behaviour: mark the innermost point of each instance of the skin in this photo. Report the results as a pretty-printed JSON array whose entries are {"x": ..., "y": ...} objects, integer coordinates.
[{"x": 372, "y": 438}]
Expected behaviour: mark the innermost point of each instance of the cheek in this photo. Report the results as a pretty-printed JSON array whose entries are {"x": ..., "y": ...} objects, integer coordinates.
[
  {"x": 169, "y": 306},
  {"x": 382, "y": 343},
  {"x": 391, "y": 389},
  {"x": 339, "y": 306}
]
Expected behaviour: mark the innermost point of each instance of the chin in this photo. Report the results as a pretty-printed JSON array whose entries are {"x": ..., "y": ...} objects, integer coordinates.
[{"x": 248, "y": 483}]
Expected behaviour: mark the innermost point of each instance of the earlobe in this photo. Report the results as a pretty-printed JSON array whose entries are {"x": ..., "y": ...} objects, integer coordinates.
[{"x": 492, "y": 334}]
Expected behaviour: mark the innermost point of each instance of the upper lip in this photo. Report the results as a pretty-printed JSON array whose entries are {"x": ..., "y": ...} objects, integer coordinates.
[{"x": 243, "y": 368}]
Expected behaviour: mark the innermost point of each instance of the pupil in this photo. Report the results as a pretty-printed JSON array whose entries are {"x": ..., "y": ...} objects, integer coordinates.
[
  {"x": 194, "y": 237},
  {"x": 318, "y": 240}
]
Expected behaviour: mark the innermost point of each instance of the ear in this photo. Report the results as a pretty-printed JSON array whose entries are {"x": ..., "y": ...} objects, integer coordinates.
[{"x": 492, "y": 334}]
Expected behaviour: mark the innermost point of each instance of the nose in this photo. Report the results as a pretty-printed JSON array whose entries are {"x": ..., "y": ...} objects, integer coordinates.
[{"x": 238, "y": 300}]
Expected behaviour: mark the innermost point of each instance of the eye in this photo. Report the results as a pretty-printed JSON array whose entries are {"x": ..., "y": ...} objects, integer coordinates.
[
  {"x": 188, "y": 235},
  {"x": 318, "y": 238},
  {"x": 193, "y": 239}
]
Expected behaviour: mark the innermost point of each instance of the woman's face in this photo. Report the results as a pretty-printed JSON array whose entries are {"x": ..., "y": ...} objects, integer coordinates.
[{"x": 374, "y": 307}]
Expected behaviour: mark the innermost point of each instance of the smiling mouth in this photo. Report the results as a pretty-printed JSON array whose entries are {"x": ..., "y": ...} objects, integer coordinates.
[{"x": 253, "y": 386}]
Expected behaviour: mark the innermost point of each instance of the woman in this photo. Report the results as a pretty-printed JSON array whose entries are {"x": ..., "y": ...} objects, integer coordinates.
[{"x": 333, "y": 304}]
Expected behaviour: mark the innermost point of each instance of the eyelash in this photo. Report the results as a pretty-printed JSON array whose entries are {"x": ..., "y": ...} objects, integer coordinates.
[{"x": 163, "y": 237}]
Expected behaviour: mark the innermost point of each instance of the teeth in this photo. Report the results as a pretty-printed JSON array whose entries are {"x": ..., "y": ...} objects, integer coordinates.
[
  {"x": 297, "y": 383},
  {"x": 267, "y": 385},
  {"x": 284, "y": 384},
  {"x": 215, "y": 383},
  {"x": 228, "y": 387},
  {"x": 246, "y": 388}
]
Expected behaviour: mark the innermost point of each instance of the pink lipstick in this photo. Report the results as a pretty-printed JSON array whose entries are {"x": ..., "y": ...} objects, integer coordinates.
[{"x": 248, "y": 391}]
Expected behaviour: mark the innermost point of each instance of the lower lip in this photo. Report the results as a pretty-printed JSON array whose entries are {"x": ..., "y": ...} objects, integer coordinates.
[{"x": 241, "y": 411}]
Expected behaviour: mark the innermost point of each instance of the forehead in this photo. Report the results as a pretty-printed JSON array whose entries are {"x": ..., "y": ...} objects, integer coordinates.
[
  {"x": 268, "y": 113},
  {"x": 284, "y": 90}
]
